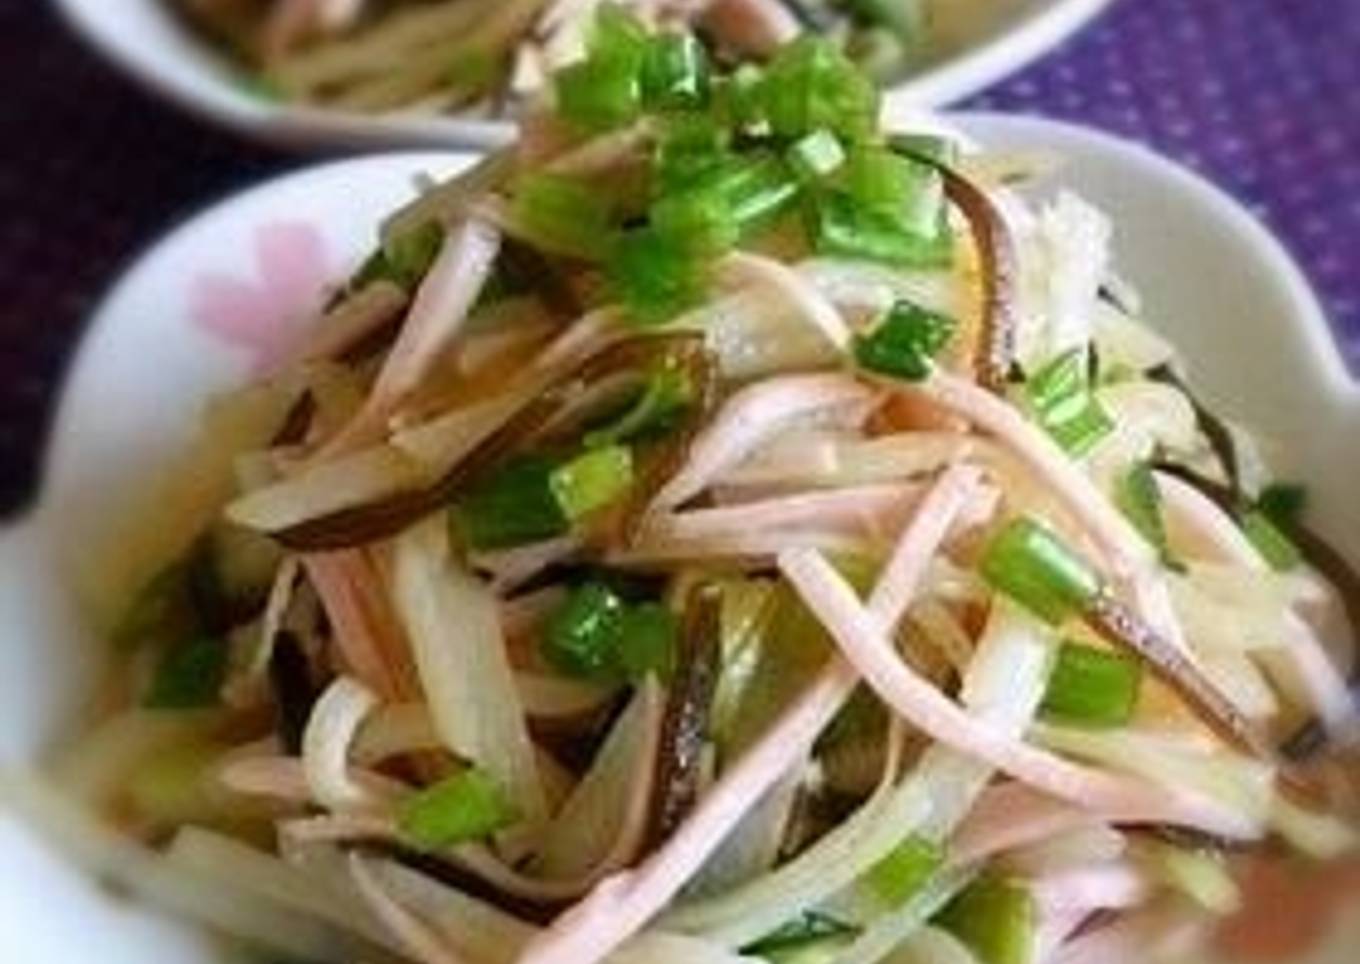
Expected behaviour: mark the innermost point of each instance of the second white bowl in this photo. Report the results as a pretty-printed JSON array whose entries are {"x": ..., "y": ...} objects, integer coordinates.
[{"x": 144, "y": 39}]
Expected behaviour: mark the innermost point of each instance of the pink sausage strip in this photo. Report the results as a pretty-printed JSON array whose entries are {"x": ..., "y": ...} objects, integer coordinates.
[
  {"x": 863, "y": 642},
  {"x": 863, "y": 508},
  {"x": 436, "y": 317},
  {"x": 370, "y": 642},
  {"x": 621, "y": 905},
  {"x": 750, "y": 417}
]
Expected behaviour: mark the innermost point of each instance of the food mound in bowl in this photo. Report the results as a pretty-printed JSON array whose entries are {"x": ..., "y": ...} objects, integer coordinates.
[
  {"x": 485, "y": 58},
  {"x": 728, "y": 531}
]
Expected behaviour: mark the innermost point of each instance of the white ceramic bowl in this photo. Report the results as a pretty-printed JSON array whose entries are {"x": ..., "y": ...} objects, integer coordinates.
[
  {"x": 175, "y": 330},
  {"x": 144, "y": 39}
]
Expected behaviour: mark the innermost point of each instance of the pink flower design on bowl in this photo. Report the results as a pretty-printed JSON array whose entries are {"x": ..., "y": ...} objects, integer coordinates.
[{"x": 265, "y": 317}]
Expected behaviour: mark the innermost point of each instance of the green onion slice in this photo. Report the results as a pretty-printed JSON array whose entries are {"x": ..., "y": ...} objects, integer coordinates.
[
  {"x": 592, "y": 480},
  {"x": 1060, "y": 396},
  {"x": 1275, "y": 547},
  {"x": 810, "y": 84},
  {"x": 905, "y": 342},
  {"x": 1029, "y": 563},
  {"x": 1283, "y": 503},
  {"x": 995, "y": 917},
  {"x": 907, "y": 190},
  {"x": 689, "y": 146},
  {"x": 464, "y": 807},
  {"x": 902, "y": 873},
  {"x": 655, "y": 278},
  {"x": 513, "y": 505},
  {"x": 582, "y": 635},
  {"x": 404, "y": 258},
  {"x": 1092, "y": 687},
  {"x": 816, "y": 155},
  {"x": 648, "y": 636},
  {"x": 596, "y": 634},
  {"x": 563, "y": 216},
  {"x": 1140, "y": 500},
  {"x": 675, "y": 72},
  {"x": 842, "y": 226}
]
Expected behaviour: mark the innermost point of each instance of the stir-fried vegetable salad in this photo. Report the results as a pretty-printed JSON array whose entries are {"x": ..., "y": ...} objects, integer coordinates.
[
  {"x": 489, "y": 59},
  {"x": 721, "y": 529}
]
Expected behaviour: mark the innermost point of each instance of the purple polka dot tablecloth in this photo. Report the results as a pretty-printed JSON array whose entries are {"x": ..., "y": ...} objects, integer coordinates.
[{"x": 1262, "y": 96}]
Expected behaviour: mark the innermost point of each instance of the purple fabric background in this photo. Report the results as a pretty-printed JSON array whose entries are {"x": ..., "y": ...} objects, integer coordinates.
[{"x": 1261, "y": 95}]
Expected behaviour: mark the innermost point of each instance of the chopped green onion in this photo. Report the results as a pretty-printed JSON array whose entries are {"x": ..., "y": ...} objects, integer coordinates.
[
  {"x": 647, "y": 637},
  {"x": 756, "y": 189},
  {"x": 897, "y": 877},
  {"x": 811, "y": 929},
  {"x": 842, "y": 226},
  {"x": 1078, "y": 432},
  {"x": 738, "y": 99},
  {"x": 403, "y": 258},
  {"x": 514, "y": 505},
  {"x": 563, "y": 216},
  {"x": 1092, "y": 687},
  {"x": 597, "y": 635},
  {"x": 1283, "y": 503},
  {"x": 605, "y": 89},
  {"x": 582, "y": 635},
  {"x": 810, "y": 84},
  {"x": 689, "y": 146},
  {"x": 467, "y": 806},
  {"x": 668, "y": 392},
  {"x": 1060, "y": 395},
  {"x": 761, "y": 192},
  {"x": 1059, "y": 381},
  {"x": 905, "y": 189},
  {"x": 904, "y": 343},
  {"x": 1274, "y": 546},
  {"x": 941, "y": 150},
  {"x": 816, "y": 155},
  {"x": 654, "y": 278},
  {"x": 617, "y": 36},
  {"x": 598, "y": 94},
  {"x": 699, "y": 221},
  {"x": 189, "y": 675},
  {"x": 1030, "y": 564},
  {"x": 675, "y": 72},
  {"x": 1138, "y": 498},
  {"x": 995, "y": 918},
  {"x": 592, "y": 480}
]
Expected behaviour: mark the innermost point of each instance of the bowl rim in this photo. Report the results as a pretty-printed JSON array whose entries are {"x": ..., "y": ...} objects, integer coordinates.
[{"x": 209, "y": 95}]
